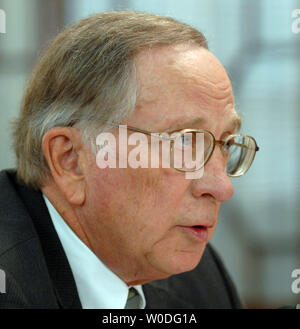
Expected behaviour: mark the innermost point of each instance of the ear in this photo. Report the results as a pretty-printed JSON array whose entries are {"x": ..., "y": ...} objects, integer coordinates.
[{"x": 63, "y": 151}]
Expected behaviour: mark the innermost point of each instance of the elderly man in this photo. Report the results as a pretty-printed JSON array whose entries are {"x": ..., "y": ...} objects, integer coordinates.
[{"x": 74, "y": 234}]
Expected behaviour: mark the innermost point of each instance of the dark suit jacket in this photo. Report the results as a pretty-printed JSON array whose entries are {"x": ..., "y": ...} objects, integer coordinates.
[{"x": 38, "y": 274}]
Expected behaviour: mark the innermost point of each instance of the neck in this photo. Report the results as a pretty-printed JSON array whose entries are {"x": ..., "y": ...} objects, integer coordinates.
[{"x": 66, "y": 211}]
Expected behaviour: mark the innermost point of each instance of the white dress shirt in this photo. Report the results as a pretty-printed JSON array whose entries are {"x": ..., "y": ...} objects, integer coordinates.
[{"x": 98, "y": 287}]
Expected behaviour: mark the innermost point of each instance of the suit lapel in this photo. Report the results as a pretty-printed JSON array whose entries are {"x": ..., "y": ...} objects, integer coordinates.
[
  {"x": 58, "y": 266},
  {"x": 159, "y": 297}
]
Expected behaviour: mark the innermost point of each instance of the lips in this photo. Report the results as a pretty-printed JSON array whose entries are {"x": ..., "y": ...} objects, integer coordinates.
[{"x": 200, "y": 232}]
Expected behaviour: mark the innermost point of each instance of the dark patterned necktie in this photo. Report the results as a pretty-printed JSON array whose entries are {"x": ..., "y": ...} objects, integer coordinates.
[{"x": 133, "y": 299}]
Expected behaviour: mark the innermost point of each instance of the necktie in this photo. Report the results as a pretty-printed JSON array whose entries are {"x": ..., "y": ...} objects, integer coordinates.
[{"x": 133, "y": 299}]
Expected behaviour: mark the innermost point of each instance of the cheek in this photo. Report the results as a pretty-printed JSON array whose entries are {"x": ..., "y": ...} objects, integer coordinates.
[
  {"x": 128, "y": 196},
  {"x": 211, "y": 231},
  {"x": 136, "y": 202}
]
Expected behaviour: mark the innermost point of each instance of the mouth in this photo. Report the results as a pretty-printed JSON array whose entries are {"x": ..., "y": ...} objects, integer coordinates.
[{"x": 200, "y": 232}]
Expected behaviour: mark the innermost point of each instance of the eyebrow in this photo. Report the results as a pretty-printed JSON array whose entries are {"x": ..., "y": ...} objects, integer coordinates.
[
  {"x": 234, "y": 124},
  {"x": 180, "y": 126}
]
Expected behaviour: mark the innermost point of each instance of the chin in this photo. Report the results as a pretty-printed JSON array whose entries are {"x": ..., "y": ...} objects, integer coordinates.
[
  {"x": 186, "y": 263},
  {"x": 176, "y": 263}
]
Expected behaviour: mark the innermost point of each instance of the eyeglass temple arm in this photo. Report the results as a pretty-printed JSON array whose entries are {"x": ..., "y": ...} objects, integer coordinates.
[
  {"x": 246, "y": 147},
  {"x": 238, "y": 144},
  {"x": 160, "y": 135}
]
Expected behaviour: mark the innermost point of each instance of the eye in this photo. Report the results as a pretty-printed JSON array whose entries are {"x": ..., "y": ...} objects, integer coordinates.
[
  {"x": 228, "y": 144},
  {"x": 186, "y": 140}
]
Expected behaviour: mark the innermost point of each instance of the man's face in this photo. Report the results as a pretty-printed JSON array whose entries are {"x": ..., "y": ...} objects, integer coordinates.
[{"x": 142, "y": 222}]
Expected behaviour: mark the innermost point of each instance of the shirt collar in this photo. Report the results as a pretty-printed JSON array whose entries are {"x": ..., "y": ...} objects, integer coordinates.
[{"x": 98, "y": 287}]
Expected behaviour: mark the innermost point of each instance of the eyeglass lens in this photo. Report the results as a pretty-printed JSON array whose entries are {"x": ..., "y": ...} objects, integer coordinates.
[{"x": 191, "y": 151}]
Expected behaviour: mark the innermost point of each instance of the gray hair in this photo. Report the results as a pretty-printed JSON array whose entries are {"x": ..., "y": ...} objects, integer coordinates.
[{"x": 86, "y": 78}]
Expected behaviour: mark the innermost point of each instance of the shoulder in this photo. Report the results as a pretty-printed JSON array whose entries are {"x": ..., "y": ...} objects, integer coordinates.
[
  {"x": 15, "y": 225},
  {"x": 21, "y": 256}
]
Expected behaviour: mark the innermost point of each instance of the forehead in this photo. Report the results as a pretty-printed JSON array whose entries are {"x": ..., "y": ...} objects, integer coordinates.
[{"x": 182, "y": 84}]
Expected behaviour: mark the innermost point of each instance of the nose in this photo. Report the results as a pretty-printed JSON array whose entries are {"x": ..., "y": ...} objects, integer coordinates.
[{"x": 214, "y": 180}]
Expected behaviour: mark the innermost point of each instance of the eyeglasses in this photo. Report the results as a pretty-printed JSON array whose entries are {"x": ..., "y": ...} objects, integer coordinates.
[{"x": 238, "y": 150}]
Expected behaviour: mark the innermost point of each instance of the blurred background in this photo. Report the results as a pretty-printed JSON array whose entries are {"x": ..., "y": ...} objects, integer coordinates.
[{"x": 258, "y": 235}]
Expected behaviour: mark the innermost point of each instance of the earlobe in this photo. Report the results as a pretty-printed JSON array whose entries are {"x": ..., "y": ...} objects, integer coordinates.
[
  {"x": 62, "y": 148},
  {"x": 75, "y": 194}
]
